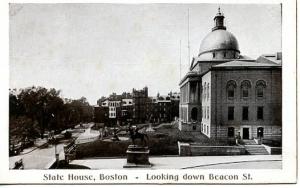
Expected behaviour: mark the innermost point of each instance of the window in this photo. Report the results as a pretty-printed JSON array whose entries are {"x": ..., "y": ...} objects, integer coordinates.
[
  {"x": 260, "y": 87},
  {"x": 231, "y": 85},
  {"x": 201, "y": 93},
  {"x": 204, "y": 91},
  {"x": 245, "y": 87},
  {"x": 260, "y": 92},
  {"x": 230, "y": 132},
  {"x": 224, "y": 54},
  {"x": 214, "y": 54},
  {"x": 207, "y": 91},
  {"x": 245, "y": 93},
  {"x": 230, "y": 93},
  {"x": 207, "y": 130},
  {"x": 194, "y": 114},
  {"x": 208, "y": 112},
  {"x": 230, "y": 113},
  {"x": 260, "y": 113},
  {"x": 245, "y": 113}
]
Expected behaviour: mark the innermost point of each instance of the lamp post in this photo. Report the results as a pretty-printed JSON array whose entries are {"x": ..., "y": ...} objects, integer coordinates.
[
  {"x": 56, "y": 154},
  {"x": 55, "y": 145}
]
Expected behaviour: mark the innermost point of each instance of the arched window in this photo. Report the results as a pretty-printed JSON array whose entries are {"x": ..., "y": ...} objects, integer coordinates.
[
  {"x": 260, "y": 88},
  {"x": 230, "y": 87},
  {"x": 194, "y": 114},
  {"x": 245, "y": 88}
]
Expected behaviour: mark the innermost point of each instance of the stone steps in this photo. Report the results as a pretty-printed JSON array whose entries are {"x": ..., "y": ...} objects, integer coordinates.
[
  {"x": 256, "y": 150},
  {"x": 249, "y": 142}
]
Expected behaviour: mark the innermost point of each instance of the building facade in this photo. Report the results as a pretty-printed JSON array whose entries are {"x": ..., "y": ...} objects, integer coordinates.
[
  {"x": 140, "y": 99},
  {"x": 226, "y": 94}
]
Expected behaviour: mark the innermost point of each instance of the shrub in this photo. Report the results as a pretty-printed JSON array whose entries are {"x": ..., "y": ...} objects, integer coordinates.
[{"x": 68, "y": 135}]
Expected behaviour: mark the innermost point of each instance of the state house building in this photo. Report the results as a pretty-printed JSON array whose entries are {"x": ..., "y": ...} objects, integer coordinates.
[{"x": 226, "y": 94}]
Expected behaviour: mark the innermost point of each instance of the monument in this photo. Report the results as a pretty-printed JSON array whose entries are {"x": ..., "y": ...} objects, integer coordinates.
[{"x": 137, "y": 154}]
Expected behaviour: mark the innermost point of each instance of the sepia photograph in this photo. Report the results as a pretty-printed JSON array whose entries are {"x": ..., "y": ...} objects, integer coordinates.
[{"x": 151, "y": 86}]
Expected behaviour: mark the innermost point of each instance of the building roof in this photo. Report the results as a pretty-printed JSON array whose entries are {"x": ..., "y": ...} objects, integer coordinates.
[
  {"x": 188, "y": 75},
  {"x": 271, "y": 58},
  {"x": 245, "y": 64}
]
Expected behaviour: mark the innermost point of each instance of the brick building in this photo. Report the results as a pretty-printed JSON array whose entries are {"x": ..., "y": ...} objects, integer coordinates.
[
  {"x": 137, "y": 107},
  {"x": 140, "y": 99},
  {"x": 226, "y": 94},
  {"x": 163, "y": 108}
]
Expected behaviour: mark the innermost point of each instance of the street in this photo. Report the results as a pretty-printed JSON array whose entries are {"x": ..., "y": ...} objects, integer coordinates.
[{"x": 41, "y": 158}]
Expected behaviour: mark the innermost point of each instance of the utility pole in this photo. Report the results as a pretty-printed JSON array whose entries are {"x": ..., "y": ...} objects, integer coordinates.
[
  {"x": 189, "y": 35},
  {"x": 180, "y": 61}
]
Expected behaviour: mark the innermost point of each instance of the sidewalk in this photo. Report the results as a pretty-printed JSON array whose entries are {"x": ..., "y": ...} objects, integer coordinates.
[{"x": 199, "y": 162}]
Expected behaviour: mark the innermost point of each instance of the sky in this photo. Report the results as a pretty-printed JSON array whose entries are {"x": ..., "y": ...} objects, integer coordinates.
[{"x": 93, "y": 50}]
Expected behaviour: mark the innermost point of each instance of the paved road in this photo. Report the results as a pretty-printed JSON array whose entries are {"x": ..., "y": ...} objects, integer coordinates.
[
  {"x": 205, "y": 162},
  {"x": 39, "y": 158}
]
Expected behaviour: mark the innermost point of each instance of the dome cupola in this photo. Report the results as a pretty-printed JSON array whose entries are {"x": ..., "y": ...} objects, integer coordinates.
[{"x": 219, "y": 44}]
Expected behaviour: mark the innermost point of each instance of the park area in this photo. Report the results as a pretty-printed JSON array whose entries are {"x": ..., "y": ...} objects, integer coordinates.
[{"x": 162, "y": 141}]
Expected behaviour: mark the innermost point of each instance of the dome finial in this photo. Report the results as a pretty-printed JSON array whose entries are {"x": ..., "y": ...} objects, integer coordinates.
[{"x": 219, "y": 20}]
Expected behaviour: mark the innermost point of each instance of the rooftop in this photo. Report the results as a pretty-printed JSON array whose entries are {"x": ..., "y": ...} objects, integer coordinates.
[{"x": 237, "y": 63}]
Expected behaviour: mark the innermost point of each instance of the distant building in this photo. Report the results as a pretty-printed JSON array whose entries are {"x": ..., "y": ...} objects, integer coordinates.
[
  {"x": 137, "y": 107},
  {"x": 117, "y": 108},
  {"x": 226, "y": 94},
  {"x": 127, "y": 110},
  {"x": 163, "y": 108},
  {"x": 140, "y": 98}
]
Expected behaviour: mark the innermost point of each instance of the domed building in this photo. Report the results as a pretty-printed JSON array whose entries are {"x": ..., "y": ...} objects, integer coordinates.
[{"x": 226, "y": 95}]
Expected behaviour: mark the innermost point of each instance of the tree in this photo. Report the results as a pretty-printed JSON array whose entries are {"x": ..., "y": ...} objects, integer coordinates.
[
  {"x": 21, "y": 127},
  {"x": 37, "y": 109},
  {"x": 42, "y": 106}
]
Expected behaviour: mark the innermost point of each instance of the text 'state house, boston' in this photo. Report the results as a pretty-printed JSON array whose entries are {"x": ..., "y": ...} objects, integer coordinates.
[{"x": 227, "y": 95}]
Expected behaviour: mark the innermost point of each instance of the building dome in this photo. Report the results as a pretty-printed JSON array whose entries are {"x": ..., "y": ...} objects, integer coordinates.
[
  {"x": 219, "y": 40},
  {"x": 219, "y": 44}
]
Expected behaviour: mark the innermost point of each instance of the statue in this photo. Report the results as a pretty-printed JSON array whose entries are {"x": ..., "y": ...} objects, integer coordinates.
[
  {"x": 135, "y": 134},
  {"x": 137, "y": 155}
]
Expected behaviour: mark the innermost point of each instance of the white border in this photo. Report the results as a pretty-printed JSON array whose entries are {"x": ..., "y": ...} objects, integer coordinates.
[{"x": 286, "y": 175}]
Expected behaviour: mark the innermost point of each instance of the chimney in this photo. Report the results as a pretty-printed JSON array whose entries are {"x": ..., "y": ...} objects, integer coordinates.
[{"x": 279, "y": 55}]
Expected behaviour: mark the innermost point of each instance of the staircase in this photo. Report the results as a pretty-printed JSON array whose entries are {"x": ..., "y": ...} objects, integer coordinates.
[
  {"x": 249, "y": 142},
  {"x": 256, "y": 150}
]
